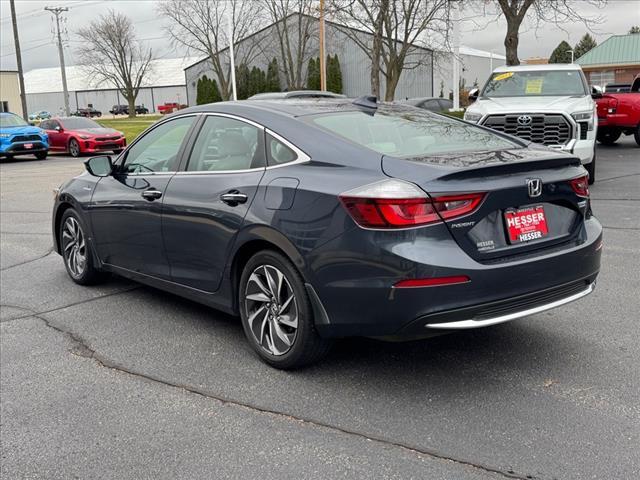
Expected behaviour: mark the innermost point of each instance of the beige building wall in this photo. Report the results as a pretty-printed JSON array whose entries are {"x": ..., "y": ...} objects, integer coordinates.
[{"x": 10, "y": 92}]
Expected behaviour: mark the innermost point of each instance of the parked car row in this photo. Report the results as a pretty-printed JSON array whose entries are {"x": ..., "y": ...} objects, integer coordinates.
[{"x": 124, "y": 110}]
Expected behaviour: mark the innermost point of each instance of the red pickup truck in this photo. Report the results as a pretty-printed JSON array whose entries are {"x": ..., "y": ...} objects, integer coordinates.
[{"x": 619, "y": 113}]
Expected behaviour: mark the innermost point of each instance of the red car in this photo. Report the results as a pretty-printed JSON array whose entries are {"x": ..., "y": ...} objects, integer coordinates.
[
  {"x": 619, "y": 113},
  {"x": 78, "y": 135}
]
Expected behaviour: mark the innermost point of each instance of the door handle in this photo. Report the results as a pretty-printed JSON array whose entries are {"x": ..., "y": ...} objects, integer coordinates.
[
  {"x": 151, "y": 194},
  {"x": 233, "y": 198}
]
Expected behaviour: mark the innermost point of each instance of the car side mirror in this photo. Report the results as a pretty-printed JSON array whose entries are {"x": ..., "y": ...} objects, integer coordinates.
[
  {"x": 58, "y": 128},
  {"x": 99, "y": 166},
  {"x": 473, "y": 94},
  {"x": 596, "y": 91}
]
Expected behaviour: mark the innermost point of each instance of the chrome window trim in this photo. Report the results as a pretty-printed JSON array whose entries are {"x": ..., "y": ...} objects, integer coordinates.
[
  {"x": 234, "y": 117},
  {"x": 302, "y": 157}
]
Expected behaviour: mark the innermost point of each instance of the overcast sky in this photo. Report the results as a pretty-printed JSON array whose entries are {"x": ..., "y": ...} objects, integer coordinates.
[{"x": 38, "y": 49}]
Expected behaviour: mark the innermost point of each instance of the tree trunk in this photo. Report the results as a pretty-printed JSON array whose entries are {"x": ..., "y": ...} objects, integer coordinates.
[
  {"x": 132, "y": 104},
  {"x": 376, "y": 49},
  {"x": 511, "y": 43},
  {"x": 393, "y": 77}
]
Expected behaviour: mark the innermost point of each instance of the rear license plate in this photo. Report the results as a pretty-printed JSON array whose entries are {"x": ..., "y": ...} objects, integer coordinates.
[
  {"x": 526, "y": 224},
  {"x": 28, "y": 145}
]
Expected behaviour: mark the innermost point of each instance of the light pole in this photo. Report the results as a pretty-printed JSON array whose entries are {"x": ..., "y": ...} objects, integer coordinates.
[
  {"x": 16, "y": 41},
  {"x": 57, "y": 11},
  {"x": 571, "y": 54}
]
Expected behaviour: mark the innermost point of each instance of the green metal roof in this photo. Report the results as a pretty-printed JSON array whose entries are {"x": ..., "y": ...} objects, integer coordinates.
[{"x": 616, "y": 50}]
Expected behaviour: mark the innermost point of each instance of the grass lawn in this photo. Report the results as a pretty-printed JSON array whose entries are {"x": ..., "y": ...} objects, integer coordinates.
[{"x": 131, "y": 127}]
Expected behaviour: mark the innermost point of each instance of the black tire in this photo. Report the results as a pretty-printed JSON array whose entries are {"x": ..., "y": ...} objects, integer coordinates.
[
  {"x": 591, "y": 169},
  {"x": 86, "y": 273},
  {"x": 74, "y": 148},
  {"x": 41, "y": 155},
  {"x": 117, "y": 151},
  {"x": 306, "y": 346},
  {"x": 608, "y": 136},
  {"x": 636, "y": 135}
]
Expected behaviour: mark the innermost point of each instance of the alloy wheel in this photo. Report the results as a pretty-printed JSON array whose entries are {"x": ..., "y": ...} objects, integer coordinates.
[
  {"x": 74, "y": 148},
  {"x": 74, "y": 247},
  {"x": 272, "y": 310}
]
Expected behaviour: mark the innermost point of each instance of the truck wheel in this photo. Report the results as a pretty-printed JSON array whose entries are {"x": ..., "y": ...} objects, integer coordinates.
[
  {"x": 591, "y": 169},
  {"x": 637, "y": 135},
  {"x": 609, "y": 136}
]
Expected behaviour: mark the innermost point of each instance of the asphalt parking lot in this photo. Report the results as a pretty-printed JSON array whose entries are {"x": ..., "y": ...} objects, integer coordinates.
[{"x": 124, "y": 381}]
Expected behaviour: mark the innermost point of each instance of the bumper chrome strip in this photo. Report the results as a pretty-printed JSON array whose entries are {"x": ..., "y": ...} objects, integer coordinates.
[{"x": 464, "y": 324}]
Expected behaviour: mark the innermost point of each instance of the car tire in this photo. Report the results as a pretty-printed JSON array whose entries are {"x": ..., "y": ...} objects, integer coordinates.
[
  {"x": 636, "y": 135},
  {"x": 76, "y": 249},
  {"x": 271, "y": 290},
  {"x": 74, "y": 148},
  {"x": 608, "y": 136},
  {"x": 41, "y": 155}
]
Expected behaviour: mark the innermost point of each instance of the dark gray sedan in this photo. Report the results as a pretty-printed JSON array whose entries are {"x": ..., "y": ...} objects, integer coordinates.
[{"x": 318, "y": 219}]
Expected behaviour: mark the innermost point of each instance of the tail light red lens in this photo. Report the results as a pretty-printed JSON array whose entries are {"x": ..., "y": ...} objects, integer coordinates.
[
  {"x": 397, "y": 204},
  {"x": 580, "y": 186},
  {"x": 432, "y": 282}
]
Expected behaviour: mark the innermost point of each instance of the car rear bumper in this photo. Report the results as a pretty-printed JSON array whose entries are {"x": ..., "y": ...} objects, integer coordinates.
[{"x": 365, "y": 303}]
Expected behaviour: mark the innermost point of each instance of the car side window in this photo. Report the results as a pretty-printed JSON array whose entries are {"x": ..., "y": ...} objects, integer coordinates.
[
  {"x": 431, "y": 105},
  {"x": 445, "y": 104},
  {"x": 157, "y": 151},
  {"x": 278, "y": 153},
  {"x": 226, "y": 144},
  {"x": 46, "y": 125}
]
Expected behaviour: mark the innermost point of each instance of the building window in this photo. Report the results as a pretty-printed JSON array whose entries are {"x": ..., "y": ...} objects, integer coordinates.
[
  {"x": 602, "y": 78},
  {"x": 4, "y": 106}
]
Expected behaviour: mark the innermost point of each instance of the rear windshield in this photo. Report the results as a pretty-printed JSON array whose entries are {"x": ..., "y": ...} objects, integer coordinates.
[
  {"x": 79, "y": 123},
  {"x": 534, "y": 83},
  {"x": 408, "y": 132}
]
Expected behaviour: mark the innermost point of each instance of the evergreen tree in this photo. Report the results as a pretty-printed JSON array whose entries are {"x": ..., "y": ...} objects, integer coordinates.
[
  {"x": 337, "y": 75},
  {"x": 441, "y": 88},
  {"x": 256, "y": 81},
  {"x": 586, "y": 43},
  {"x": 273, "y": 77},
  {"x": 207, "y": 91},
  {"x": 214, "y": 92},
  {"x": 200, "y": 91},
  {"x": 561, "y": 54},
  {"x": 242, "y": 81},
  {"x": 313, "y": 74}
]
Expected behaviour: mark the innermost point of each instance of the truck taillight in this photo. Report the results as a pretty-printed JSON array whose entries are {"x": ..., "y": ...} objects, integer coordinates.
[
  {"x": 612, "y": 105},
  {"x": 395, "y": 203}
]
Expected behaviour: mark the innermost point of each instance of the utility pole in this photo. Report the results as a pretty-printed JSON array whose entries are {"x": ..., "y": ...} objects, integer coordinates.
[
  {"x": 231, "y": 54},
  {"x": 323, "y": 67},
  {"x": 456, "y": 57},
  {"x": 16, "y": 41},
  {"x": 57, "y": 11}
]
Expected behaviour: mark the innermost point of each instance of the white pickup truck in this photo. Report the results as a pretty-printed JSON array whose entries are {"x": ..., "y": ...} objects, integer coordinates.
[{"x": 547, "y": 104}]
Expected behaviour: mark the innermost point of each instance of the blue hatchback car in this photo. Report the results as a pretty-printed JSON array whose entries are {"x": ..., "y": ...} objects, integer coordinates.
[{"x": 17, "y": 137}]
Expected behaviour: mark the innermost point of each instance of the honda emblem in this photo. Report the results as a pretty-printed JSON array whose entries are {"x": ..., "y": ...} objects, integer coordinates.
[{"x": 534, "y": 187}]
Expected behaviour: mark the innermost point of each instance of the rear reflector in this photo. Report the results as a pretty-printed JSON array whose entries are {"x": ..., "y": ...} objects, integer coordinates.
[
  {"x": 395, "y": 203},
  {"x": 580, "y": 186},
  {"x": 432, "y": 282}
]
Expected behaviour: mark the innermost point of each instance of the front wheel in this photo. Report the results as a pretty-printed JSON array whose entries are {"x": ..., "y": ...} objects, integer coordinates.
[
  {"x": 41, "y": 155},
  {"x": 76, "y": 250},
  {"x": 74, "y": 148},
  {"x": 276, "y": 313},
  {"x": 608, "y": 136}
]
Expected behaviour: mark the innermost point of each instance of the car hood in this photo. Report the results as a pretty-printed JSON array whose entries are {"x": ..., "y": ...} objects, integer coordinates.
[
  {"x": 564, "y": 104},
  {"x": 26, "y": 130},
  {"x": 98, "y": 132}
]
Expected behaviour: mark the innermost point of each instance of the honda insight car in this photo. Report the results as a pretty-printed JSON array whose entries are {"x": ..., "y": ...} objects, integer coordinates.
[{"x": 319, "y": 219}]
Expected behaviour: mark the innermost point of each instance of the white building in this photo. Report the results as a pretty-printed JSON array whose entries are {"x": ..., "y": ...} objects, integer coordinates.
[{"x": 165, "y": 83}]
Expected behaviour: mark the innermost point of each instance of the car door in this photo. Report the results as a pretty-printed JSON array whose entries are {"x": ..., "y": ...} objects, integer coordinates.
[
  {"x": 56, "y": 135},
  {"x": 126, "y": 207},
  {"x": 205, "y": 205}
]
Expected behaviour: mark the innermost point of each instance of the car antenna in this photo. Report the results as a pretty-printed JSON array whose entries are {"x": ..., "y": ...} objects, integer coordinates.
[{"x": 369, "y": 102}]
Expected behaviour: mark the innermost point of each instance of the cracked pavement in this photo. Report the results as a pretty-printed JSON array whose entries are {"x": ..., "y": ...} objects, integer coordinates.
[{"x": 124, "y": 381}]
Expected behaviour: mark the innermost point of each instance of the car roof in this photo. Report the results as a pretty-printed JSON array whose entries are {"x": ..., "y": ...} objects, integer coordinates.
[
  {"x": 537, "y": 68},
  {"x": 296, "y": 94}
]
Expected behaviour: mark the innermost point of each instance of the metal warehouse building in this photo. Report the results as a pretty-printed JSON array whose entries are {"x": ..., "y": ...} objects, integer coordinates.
[
  {"x": 423, "y": 79},
  {"x": 164, "y": 83}
]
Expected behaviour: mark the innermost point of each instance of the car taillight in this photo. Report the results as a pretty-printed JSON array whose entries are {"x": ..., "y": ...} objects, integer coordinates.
[
  {"x": 612, "y": 104},
  {"x": 580, "y": 186},
  {"x": 395, "y": 203}
]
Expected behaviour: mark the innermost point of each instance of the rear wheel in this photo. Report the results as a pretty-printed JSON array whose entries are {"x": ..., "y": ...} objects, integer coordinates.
[
  {"x": 41, "y": 155},
  {"x": 637, "y": 134},
  {"x": 76, "y": 250},
  {"x": 609, "y": 136},
  {"x": 276, "y": 313},
  {"x": 74, "y": 148}
]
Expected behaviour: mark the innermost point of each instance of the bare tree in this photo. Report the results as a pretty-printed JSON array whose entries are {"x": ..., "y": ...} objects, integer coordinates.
[
  {"x": 396, "y": 29},
  {"x": 202, "y": 26},
  {"x": 110, "y": 53},
  {"x": 557, "y": 12},
  {"x": 295, "y": 26}
]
